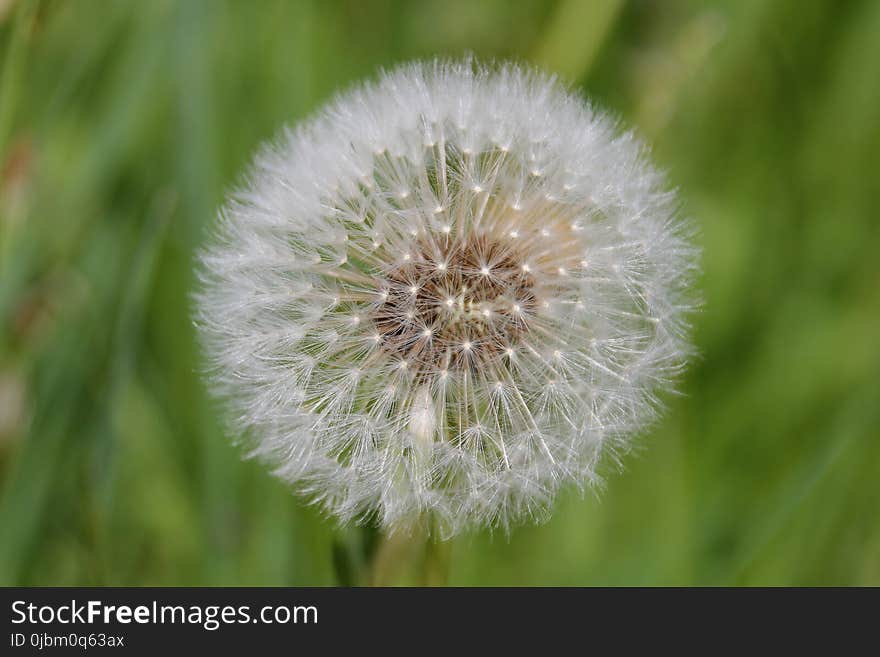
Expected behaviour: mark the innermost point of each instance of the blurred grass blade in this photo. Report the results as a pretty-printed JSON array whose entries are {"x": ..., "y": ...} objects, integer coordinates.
[
  {"x": 11, "y": 72},
  {"x": 575, "y": 35}
]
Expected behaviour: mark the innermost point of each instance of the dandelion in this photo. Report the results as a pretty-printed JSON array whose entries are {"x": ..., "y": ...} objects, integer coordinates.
[{"x": 450, "y": 293}]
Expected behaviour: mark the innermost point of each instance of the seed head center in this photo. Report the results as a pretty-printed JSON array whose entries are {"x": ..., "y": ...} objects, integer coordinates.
[{"x": 455, "y": 303}]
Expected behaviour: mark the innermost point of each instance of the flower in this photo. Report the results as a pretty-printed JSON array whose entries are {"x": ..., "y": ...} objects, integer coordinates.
[{"x": 445, "y": 296}]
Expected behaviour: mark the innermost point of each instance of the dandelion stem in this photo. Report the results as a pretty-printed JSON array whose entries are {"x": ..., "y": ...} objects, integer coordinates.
[
  {"x": 392, "y": 555},
  {"x": 402, "y": 559},
  {"x": 435, "y": 563}
]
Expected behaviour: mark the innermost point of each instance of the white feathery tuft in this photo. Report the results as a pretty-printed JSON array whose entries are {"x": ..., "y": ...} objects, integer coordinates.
[{"x": 447, "y": 295}]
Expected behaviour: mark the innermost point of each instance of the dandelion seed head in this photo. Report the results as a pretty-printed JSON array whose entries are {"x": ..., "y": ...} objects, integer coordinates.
[{"x": 468, "y": 362}]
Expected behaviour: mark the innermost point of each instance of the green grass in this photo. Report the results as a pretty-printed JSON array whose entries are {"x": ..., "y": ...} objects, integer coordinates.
[{"x": 122, "y": 124}]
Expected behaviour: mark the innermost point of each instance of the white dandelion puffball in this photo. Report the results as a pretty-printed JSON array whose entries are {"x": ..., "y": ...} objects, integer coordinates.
[{"x": 446, "y": 296}]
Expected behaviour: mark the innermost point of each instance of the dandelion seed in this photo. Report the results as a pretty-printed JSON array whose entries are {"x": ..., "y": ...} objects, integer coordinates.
[{"x": 463, "y": 372}]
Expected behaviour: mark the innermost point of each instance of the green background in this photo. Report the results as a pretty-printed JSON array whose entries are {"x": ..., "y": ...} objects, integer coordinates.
[{"x": 122, "y": 124}]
